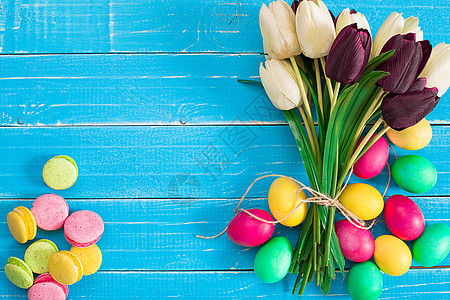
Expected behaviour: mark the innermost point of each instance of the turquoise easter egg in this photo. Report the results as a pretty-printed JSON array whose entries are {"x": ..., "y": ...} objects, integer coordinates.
[
  {"x": 433, "y": 246},
  {"x": 364, "y": 281},
  {"x": 273, "y": 259},
  {"x": 414, "y": 173}
]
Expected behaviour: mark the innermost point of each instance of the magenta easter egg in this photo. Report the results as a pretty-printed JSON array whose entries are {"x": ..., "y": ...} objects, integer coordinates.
[
  {"x": 247, "y": 231},
  {"x": 403, "y": 217},
  {"x": 356, "y": 244},
  {"x": 371, "y": 163}
]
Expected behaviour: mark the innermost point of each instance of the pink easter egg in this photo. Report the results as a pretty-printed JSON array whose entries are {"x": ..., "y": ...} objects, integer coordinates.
[
  {"x": 356, "y": 244},
  {"x": 247, "y": 231},
  {"x": 403, "y": 217},
  {"x": 373, "y": 161}
]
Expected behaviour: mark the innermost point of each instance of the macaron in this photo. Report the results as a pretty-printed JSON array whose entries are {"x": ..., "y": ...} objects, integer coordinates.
[
  {"x": 19, "y": 273},
  {"x": 45, "y": 287},
  {"x": 60, "y": 172},
  {"x": 83, "y": 228},
  {"x": 90, "y": 257},
  {"x": 21, "y": 224},
  {"x": 50, "y": 211},
  {"x": 65, "y": 267},
  {"x": 37, "y": 255}
]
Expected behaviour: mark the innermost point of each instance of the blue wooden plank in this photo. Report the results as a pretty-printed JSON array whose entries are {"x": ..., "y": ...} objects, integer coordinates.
[
  {"x": 143, "y": 162},
  {"x": 416, "y": 284},
  {"x": 156, "y": 234},
  {"x": 147, "y": 162},
  {"x": 63, "y": 26},
  {"x": 49, "y": 90}
]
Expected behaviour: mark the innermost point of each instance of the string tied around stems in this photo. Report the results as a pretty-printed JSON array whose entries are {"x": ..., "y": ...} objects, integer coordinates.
[{"x": 316, "y": 197}]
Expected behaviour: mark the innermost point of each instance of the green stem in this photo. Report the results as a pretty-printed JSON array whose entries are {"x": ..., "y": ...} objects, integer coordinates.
[
  {"x": 309, "y": 131},
  {"x": 335, "y": 94},
  {"x": 329, "y": 230},
  {"x": 328, "y": 81},
  {"x": 306, "y": 104},
  {"x": 319, "y": 85}
]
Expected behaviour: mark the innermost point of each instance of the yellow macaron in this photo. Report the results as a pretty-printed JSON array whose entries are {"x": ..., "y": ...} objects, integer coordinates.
[
  {"x": 65, "y": 267},
  {"x": 90, "y": 257},
  {"x": 22, "y": 224}
]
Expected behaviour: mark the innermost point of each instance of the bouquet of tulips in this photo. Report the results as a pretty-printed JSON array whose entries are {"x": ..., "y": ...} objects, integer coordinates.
[{"x": 354, "y": 82}]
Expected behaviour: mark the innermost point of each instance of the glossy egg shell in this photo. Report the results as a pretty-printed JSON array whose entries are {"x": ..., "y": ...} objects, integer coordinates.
[
  {"x": 356, "y": 244},
  {"x": 364, "y": 281},
  {"x": 372, "y": 162},
  {"x": 412, "y": 138},
  {"x": 392, "y": 255},
  {"x": 273, "y": 259},
  {"x": 433, "y": 246},
  {"x": 283, "y": 200},
  {"x": 414, "y": 173},
  {"x": 247, "y": 231},
  {"x": 362, "y": 200},
  {"x": 403, "y": 217}
]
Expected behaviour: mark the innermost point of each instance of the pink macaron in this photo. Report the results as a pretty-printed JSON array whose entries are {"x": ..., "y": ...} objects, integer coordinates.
[
  {"x": 50, "y": 211},
  {"x": 83, "y": 228},
  {"x": 45, "y": 287}
]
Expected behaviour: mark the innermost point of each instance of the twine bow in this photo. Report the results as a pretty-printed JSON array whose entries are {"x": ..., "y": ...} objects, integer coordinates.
[{"x": 316, "y": 197}]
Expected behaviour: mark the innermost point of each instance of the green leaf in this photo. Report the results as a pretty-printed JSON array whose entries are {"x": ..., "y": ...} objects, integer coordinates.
[
  {"x": 377, "y": 61},
  {"x": 249, "y": 81}
]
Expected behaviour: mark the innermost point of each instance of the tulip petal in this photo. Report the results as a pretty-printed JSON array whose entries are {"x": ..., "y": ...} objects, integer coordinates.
[
  {"x": 418, "y": 85},
  {"x": 348, "y": 57},
  {"x": 405, "y": 110},
  {"x": 402, "y": 66},
  {"x": 315, "y": 29},
  {"x": 391, "y": 26},
  {"x": 426, "y": 52}
]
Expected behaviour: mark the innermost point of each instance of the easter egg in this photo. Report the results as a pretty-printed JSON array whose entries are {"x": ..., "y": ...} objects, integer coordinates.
[
  {"x": 273, "y": 259},
  {"x": 247, "y": 231},
  {"x": 392, "y": 255},
  {"x": 283, "y": 200},
  {"x": 364, "y": 281},
  {"x": 403, "y": 217},
  {"x": 412, "y": 138},
  {"x": 433, "y": 246},
  {"x": 362, "y": 200},
  {"x": 356, "y": 244},
  {"x": 372, "y": 162},
  {"x": 414, "y": 173}
]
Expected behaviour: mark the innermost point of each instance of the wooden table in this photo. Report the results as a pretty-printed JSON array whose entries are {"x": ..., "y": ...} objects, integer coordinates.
[{"x": 143, "y": 95}]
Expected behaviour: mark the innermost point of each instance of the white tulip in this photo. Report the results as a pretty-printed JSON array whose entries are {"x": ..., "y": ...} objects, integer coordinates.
[
  {"x": 346, "y": 18},
  {"x": 393, "y": 25},
  {"x": 437, "y": 70},
  {"x": 315, "y": 28},
  {"x": 277, "y": 23},
  {"x": 280, "y": 83}
]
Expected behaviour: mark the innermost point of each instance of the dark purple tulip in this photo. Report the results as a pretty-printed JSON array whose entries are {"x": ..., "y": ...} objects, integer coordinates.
[
  {"x": 405, "y": 65},
  {"x": 352, "y": 11},
  {"x": 401, "y": 111},
  {"x": 349, "y": 55}
]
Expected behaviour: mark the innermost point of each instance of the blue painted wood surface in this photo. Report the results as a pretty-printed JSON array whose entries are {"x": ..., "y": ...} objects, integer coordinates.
[{"x": 143, "y": 94}]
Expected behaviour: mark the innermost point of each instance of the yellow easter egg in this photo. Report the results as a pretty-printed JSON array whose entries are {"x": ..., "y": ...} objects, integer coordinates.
[
  {"x": 392, "y": 255},
  {"x": 282, "y": 200},
  {"x": 412, "y": 138},
  {"x": 362, "y": 200}
]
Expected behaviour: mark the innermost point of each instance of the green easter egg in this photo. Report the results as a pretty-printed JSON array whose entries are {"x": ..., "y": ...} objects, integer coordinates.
[
  {"x": 433, "y": 246},
  {"x": 414, "y": 174},
  {"x": 273, "y": 259},
  {"x": 364, "y": 281}
]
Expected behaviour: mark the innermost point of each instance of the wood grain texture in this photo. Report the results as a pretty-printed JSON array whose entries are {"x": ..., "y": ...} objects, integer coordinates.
[
  {"x": 157, "y": 234},
  {"x": 416, "y": 284},
  {"x": 67, "y": 90},
  {"x": 63, "y": 26},
  {"x": 152, "y": 161}
]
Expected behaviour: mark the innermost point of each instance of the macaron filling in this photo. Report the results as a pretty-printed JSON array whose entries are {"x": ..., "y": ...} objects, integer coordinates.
[{"x": 82, "y": 245}]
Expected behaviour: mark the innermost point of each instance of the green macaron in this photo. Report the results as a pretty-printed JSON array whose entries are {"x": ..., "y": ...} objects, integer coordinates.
[
  {"x": 60, "y": 172},
  {"x": 37, "y": 255},
  {"x": 19, "y": 273}
]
